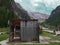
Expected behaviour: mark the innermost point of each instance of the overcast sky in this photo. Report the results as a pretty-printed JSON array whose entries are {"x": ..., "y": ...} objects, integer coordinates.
[{"x": 35, "y": 3}]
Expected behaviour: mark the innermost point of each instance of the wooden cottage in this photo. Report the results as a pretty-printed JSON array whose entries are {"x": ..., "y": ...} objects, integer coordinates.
[{"x": 24, "y": 30}]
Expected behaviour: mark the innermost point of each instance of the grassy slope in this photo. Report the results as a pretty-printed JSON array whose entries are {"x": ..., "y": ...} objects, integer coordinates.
[
  {"x": 4, "y": 36},
  {"x": 50, "y": 35},
  {"x": 4, "y": 29}
]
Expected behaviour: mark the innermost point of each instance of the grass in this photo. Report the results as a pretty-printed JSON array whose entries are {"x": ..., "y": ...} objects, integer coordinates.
[
  {"x": 4, "y": 36},
  {"x": 39, "y": 44},
  {"x": 50, "y": 35},
  {"x": 4, "y": 29}
]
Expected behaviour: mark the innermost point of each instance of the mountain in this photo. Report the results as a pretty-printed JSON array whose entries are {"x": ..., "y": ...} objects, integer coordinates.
[
  {"x": 19, "y": 11},
  {"x": 37, "y": 15},
  {"x": 9, "y": 9},
  {"x": 54, "y": 17},
  {"x": 6, "y": 12}
]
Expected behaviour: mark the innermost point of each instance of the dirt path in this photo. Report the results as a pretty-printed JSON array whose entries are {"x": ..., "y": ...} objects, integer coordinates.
[
  {"x": 43, "y": 40},
  {"x": 48, "y": 31},
  {"x": 2, "y": 33},
  {"x": 4, "y": 42}
]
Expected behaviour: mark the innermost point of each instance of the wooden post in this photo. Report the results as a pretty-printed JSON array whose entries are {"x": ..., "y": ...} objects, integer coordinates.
[{"x": 11, "y": 33}]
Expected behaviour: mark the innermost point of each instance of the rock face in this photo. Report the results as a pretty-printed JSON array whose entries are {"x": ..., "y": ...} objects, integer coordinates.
[
  {"x": 54, "y": 17},
  {"x": 37, "y": 15}
]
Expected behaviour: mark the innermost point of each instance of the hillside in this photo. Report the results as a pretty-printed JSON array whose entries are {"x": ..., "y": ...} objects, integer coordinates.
[
  {"x": 18, "y": 10},
  {"x": 54, "y": 17},
  {"x": 6, "y": 12},
  {"x": 9, "y": 10}
]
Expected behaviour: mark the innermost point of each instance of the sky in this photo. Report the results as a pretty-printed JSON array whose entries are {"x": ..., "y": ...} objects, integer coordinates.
[{"x": 43, "y": 6}]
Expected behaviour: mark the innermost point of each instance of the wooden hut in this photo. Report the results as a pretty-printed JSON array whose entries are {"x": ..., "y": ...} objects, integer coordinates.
[{"x": 24, "y": 30}]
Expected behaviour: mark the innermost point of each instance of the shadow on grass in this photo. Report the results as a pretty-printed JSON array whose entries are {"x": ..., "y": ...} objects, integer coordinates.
[{"x": 36, "y": 44}]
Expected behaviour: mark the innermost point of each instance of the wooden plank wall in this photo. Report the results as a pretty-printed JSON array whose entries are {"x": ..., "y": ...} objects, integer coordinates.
[{"x": 29, "y": 31}]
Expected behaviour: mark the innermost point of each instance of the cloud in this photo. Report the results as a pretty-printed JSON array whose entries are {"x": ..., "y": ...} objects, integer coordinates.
[
  {"x": 47, "y": 2},
  {"x": 18, "y": 1},
  {"x": 35, "y": 4},
  {"x": 52, "y": 3},
  {"x": 32, "y": 4},
  {"x": 36, "y": 0}
]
